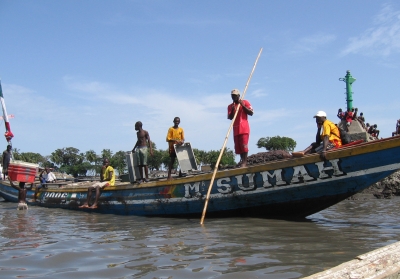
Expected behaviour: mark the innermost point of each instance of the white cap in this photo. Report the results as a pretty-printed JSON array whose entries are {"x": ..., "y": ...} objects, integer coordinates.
[
  {"x": 320, "y": 114},
  {"x": 235, "y": 92}
]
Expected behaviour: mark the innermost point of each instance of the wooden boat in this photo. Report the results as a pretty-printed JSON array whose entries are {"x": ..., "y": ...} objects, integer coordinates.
[{"x": 288, "y": 188}]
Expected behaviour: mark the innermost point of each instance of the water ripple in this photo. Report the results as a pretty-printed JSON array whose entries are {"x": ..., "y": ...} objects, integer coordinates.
[{"x": 49, "y": 243}]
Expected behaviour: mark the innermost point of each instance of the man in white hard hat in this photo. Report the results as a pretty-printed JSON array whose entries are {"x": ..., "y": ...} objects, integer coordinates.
[
  {"x": 328, "y": 137},
  {"x": 328, "y": 134}
]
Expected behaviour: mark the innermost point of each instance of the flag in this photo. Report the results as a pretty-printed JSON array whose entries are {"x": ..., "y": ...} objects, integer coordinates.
[{"x": 8, "y": 134}]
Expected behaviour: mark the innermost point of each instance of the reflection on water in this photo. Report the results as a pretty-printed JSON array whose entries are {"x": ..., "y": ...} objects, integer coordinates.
[{"x": 49, "y": 243}]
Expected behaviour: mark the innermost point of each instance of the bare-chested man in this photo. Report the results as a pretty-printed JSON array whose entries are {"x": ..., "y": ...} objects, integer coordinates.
[
  {"x": 143, "y": 141},
  {"x": 373, "y": 131},
  {"x": 361, "y": 119},
  {"x": 21, "y": 194}
]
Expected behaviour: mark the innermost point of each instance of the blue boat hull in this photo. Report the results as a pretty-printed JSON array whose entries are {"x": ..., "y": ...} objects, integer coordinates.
[{"x": 290, "y": 188}]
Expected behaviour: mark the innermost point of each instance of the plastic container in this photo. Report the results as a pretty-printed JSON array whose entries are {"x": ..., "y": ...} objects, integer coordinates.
[{"x": 22, "y": 171}]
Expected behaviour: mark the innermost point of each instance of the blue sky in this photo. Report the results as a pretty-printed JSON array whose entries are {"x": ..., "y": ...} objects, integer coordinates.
[{"x": 81, "y": 73}]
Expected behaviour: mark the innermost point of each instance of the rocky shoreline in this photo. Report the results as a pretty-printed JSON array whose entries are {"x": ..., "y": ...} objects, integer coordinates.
[{"x": 386, "y": 188}]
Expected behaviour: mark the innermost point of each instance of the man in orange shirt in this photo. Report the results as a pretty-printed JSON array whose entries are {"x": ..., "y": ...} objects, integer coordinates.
[{"x": 329, "y": 134}]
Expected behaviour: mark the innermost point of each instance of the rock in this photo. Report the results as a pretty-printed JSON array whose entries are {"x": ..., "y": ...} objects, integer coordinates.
[{"x": 386, "y": 188}]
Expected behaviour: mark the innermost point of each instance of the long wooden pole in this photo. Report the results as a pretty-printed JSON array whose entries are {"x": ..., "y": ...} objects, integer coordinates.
[{"x": 226, "y": 139}]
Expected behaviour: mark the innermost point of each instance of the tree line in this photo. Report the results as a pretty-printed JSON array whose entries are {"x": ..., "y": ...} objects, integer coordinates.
[{"x": 72, "y": 161}]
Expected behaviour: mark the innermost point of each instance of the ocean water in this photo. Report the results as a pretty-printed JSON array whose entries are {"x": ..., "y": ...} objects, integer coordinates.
[{"x": 56, "y": 243}]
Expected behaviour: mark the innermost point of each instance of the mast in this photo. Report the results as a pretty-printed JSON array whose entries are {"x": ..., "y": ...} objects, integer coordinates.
[{"x": 349, "y": 81}]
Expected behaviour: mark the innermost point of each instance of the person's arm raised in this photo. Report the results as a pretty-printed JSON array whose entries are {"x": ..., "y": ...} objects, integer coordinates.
[{"x": 246, "y": 109}]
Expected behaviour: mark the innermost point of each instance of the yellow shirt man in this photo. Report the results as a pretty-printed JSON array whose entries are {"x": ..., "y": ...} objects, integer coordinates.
[
  {"x": 332, "y": 131},
  {"x": 174, "y": 135}
]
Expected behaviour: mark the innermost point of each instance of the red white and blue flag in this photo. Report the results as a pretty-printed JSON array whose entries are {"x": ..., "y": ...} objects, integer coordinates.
[{"x": 8, "y": 134}]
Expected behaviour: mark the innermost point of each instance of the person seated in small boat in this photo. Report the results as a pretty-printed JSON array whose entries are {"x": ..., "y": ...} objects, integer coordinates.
[
  {"x": 397, "y": 131},
  {"x": 21, "y": 194},
  {"x": 46, "y": 176},
  {"x": 107, "y": 178},
  {"x": 143, "y": 141},
  {"x": 327, "y": 137}
]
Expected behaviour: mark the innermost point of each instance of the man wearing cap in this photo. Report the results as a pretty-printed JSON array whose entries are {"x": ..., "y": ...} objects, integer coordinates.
[
  {"x": 241, "y": 127},
  {"x": 328, "y": 133}
]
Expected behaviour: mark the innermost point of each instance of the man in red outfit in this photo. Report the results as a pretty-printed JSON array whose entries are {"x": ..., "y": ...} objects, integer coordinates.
[{"x": 241, "y": 127}]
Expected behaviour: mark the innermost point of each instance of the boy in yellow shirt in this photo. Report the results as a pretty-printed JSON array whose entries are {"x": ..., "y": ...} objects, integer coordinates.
[
  {"x": 175, "y": 135},
  {"x": 107, "y": 178}
]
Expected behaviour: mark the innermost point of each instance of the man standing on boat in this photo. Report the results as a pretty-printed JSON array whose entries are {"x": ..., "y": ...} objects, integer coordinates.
[
  {"x": 6, "y": 160},
  {"x": 175, "y": 135},
  {"x": 241, "y": 127},
  {"x": 328, "y": 134},
  {"x": 107, "y": 178},
  {"x": 143, "y": 139}
]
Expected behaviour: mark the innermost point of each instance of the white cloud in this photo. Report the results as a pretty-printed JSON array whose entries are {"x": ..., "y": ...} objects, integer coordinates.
[
  {"x": 203, "y": 118},
  {"x": 40, "y": 121},
  {"x": 258, "y": 93},
  {"x": 200, "y": 117},
  {"x": 382, "y": 39},
  {"x": 312, "y": 43}
]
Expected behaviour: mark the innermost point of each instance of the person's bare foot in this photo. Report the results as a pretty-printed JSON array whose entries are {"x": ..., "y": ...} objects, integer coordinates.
[
  {"x": 84, "y": 206},
  {"x": 93, "y": 206}
]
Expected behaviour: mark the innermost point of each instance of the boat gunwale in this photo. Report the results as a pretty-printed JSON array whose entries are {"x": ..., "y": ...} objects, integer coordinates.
[{"x": 359, "y": 149}]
